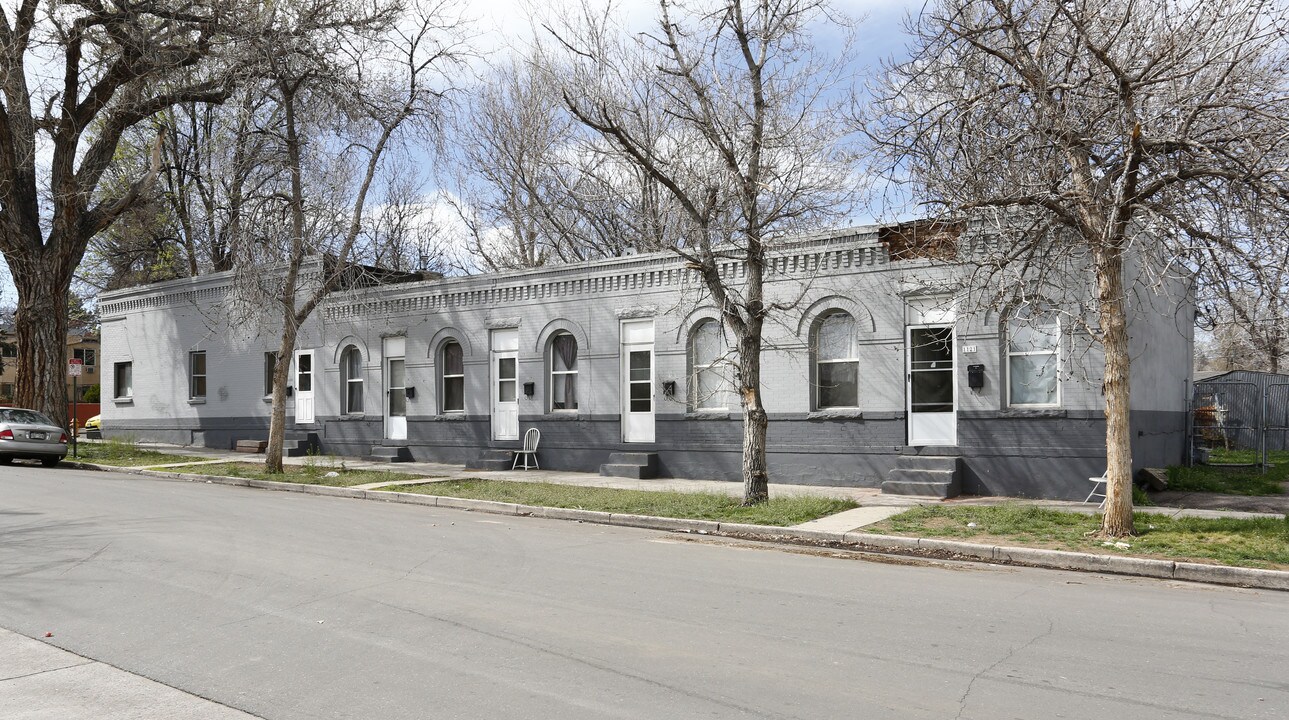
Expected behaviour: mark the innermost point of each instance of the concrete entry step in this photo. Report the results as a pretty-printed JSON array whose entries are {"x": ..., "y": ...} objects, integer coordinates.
[
  {"x": 388, "y": 453},
  {"x": 631, "y": 465},
  {"x": 925, "y": 474},
  {"x": 928, "y": 462},
  {"x": 300, "y": 444},
  {"x": 492, "y": 460},
  {"x": 944, "y": 491},
  {"x": 250, "y": 446}
]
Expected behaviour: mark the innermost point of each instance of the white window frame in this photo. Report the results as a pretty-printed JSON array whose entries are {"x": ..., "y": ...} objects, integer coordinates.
[
  {"x": 193, "y": 374},
  {"x": 818, "y": 376},
  {"x": 696, "y": 400},
  {"x": 1012, "y": 321},
  {"x": 444, "y": 377},
  {"x": 348, "y": 381},
  {"x": 550, "y": 358},
  {"x": 116, "y": 380}
]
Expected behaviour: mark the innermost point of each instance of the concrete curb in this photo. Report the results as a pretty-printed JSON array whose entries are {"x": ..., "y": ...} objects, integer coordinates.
[{"x": 870, "y": 542}]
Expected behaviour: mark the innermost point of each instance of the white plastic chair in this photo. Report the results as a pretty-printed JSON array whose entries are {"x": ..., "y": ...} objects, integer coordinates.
[
  {"x": 1098, "y": 483},
  {"x": 532, "y": 436}
]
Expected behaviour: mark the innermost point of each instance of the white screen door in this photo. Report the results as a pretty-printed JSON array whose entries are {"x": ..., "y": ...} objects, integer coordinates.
[
  {"x": 395, "y": 389},
  {"x": 505, "y": 384},
  {"x": 304, "y": 386},
  {"x": 637, "y": 381},
  {"x": 932, "y": 385}
]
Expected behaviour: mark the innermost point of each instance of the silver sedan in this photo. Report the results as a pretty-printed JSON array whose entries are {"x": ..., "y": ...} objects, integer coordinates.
[{"x": 29, "y": 434}]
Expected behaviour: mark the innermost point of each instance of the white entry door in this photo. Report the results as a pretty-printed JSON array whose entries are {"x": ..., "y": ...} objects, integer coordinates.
[
  {"x": 932, "y": 385},
  {"x": 304, "y": 386},
  {"x": 395, "y": 389},
  {"x": 637, "y": 381},
  {"x": 505, "y": 384}
]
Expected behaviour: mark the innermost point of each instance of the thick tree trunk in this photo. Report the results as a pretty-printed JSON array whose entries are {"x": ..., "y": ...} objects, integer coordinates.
[
  {"x": 41, "y": 330},
  {"x": 1114, "y": 328},
  {"x": 756, "y": 474},
  {"x": 277, "y": 416}
]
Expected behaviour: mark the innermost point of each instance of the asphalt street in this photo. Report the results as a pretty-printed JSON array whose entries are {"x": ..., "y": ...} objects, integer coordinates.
[{"x": 291, "y": 606}]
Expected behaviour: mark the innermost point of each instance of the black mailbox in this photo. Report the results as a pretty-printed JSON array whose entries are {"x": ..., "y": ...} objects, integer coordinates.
[
  {"x": 529, "y": 389},
  {"x": 975, "y": 376},
  {"x": 669, "y": 389},
  {"x": 410, "y": 392},
  {"x": 290, "y": 391}
]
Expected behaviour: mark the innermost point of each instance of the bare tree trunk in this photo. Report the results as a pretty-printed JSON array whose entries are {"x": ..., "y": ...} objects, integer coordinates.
[
  {"x": 277, "y": 416},
  {"x": 756, "y": 474},
  {"x": 1114, "y": 327},
  {"x": 41, "y": 329}
]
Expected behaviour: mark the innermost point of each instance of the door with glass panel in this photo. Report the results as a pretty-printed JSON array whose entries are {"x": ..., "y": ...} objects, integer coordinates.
[
  {"x": 505, "y": 384},
  {"x": 395, "y": 388},
  {"x": 304, "y": 386},
  {"x": 932, "y": 385},
  {"x": 637, "y": 381}
]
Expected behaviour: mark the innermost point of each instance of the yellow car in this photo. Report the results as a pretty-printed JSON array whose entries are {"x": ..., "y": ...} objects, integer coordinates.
[{"x": 94, "y": 423}]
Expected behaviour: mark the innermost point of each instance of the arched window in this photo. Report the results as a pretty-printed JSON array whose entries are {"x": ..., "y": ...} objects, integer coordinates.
[
  {"x": 1033, "y": 358},
  {"x": 351, "y": 379},
  {"x": 836, "y": 362},
  {"x": 563, "y": 364},
  {"x": 451, "y": 377},
  {"x": 708, "y": 387}
]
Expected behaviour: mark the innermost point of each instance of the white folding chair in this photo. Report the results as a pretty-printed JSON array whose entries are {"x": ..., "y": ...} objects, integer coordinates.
[
  {"x": 1098, "y": 483},
  {"x": 531, "y": 437}
]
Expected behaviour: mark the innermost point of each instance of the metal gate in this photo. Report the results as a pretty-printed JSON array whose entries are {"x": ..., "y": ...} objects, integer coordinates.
[{"x": 1240, "y": 421}]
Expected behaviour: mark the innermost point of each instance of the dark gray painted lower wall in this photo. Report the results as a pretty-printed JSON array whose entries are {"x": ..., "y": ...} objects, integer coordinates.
[{"x": 1045, "y": 455}]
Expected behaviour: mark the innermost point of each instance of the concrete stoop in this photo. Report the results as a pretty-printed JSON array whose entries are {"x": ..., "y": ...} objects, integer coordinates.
[
  {"x": 389, "y": 454},
  {"x": 492, "y": 460},
  {"x": 936, "y": 475},
  {"x": 640, "y": 466},
  {"x": 294, "y": 444},
  {"x": 300, "y": 444}
]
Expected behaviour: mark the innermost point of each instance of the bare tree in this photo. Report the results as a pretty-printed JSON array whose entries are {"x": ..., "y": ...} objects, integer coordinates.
[
  {"x": 1244, "y": 289},
  {"x": 75, "y": 76},
  {"x": 1104, "y": 129},
  {"x": 402, "y": 233},
  {"x": 533, "y": 187},
  {"x": 340, "y": 84},
  {"x": 751, "y": 150}
]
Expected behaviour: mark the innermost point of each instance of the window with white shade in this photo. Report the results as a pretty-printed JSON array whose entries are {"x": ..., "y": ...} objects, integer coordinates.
[
  {"x": 563, "y": 364},
  {"x": 452, "y": 378},
  {"x": 836, "y": 362},
  {"x": 1033, "y": 359},
  {"x": 708, "y": 383},
  {"x": 351, "y": 381},
  {"x": 197, "y": 375}
]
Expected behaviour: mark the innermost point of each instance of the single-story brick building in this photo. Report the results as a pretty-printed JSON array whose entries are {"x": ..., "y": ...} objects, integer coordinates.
[{"x": 880, "y": 362}]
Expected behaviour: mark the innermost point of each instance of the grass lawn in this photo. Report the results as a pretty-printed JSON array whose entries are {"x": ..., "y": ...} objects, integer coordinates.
[
  {"x": 1262, "y": 543},
  {"x": 1250, "y": 481},
  {"x": 1247, "y": 457},
  {"x": 307, "y": 474},
  {"x": 780, "y": 511},
  {"x": 124, "y": 454}
]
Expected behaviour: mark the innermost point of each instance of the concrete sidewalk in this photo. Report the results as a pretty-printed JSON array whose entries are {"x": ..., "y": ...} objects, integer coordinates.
[
  {"x": 874, "y": 505},
  {"x": 40, "y": 681}
]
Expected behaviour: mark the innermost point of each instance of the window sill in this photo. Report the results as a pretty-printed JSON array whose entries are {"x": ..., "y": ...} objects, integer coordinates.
[
  {"x": 557, "y": 415},
  {"x": 836, "y": 414},
  {"x": 352, "y": 416},
  {"x": 127, "y": 400},
  {"x": 708, "y": 415},
  {"x": 197, "y": 401},
  {"x": 449, "y": 416},
  {"x": 1033, "y": 412}
]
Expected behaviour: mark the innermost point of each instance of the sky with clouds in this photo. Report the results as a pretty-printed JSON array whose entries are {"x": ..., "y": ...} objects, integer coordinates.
[{"x": 502, "y": 24}]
